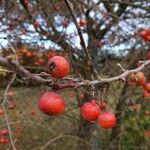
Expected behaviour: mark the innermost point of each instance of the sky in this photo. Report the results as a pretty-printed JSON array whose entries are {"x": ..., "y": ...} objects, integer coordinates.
[{"x": 71, "y": 29}]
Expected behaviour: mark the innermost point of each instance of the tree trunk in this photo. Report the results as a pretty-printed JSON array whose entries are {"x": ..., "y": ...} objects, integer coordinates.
[
  {"x": 85, "y": 128},
  {"x": 115, "y": 135}
]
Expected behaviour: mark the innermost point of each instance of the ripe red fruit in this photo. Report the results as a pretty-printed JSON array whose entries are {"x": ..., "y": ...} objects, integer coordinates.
[
  {"x": 36, "y": 63},
  {"x": 146, "y": 94},
  {"x": 90, "y": 110},
  {"x": 58, "y": 66},
  {"x": 147, "y": 113},
  {"x": 147, "y": 87},
  {"x": 145, "y": 34},
  {"x": 41, "y": 61},
  {"x": 148, "y": 55},
  {"x": 82, "y": 96},
  {"x": 131, "y": 83},
  {"x": 10, "y": 93},
  {"x": 140, "y": 78},
  {"x": 28, "y": 54},
  {"x": 142, "y": 82},
  {"x": 1, "y": 111},
  {"x": 132, "y": 78},
  {"x": 107, "y": 120},
  {"x": 4, "y": 132},
  {"x": 26, "y": 2},
  {"x": 4, "y": 141},
  {"x": 137, "y": 79},
  {"x": 12, "y": 105},
  {"x": 52, "y": 104},
  {"x": 24, "y": 50},
  {"x": 82, "y": 22},
  {"x": 147, "y": 133}
]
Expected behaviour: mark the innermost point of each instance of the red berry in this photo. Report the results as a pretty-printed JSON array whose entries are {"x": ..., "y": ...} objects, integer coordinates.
[
  {"x": 146, "y": 94},
  {"x": 107, "y": 120},
  {"x": 131, "y": 83},
  {"x": 28, "y": 54},
  {"x": 12, "y": 105},
  {"x": 26, "y": 2},
  {"x": 1, "y": 111},
  {"x": 82, "y": 96},
  {"x": 24, "y": 50},
  {"x": 4, "y": 141},
  {"x": 82, "y": 22},
  {"x": 140, "y": 77},
  {"x": 148, "y": 55},
  {"x": 41, "y": 61},
  {"x": 10, "y": 93},
  {"x": 4, "y": 132},
  {"x": 147, "y": 133},
  {"x": 142, "y": 82},
  {"x": 147, "y": 113},
  {"x": 137, "y": 79},
  {"x": 51, "y": 103},
  {"x": 58, "y": 66},
  {"x": 90, "y": 110},
  {"x": 145, "y": 34},
  {"x": 147, "y": 87},
  {"x": 132, "y": 77}
]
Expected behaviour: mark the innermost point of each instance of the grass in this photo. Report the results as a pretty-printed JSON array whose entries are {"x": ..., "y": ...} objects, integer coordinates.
[
  {"x": 32, "y": 131},
  {"x": 37, "y": 129}
]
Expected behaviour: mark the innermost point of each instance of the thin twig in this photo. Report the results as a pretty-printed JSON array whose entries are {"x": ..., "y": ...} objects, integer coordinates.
[
  {"x": 82, "y": 42},
  {"x": 64, "y": 136},
  {"x": 5, "y": 112}
]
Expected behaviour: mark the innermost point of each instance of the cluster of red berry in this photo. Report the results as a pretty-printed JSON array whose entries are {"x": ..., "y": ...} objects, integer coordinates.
[
  {"x": 34, "y": 58},
  {"x": 139, "y": 79},
  {"x": 92, "y": 111},
  {"x": 3, "y": 139},
  {"x": 53, "y": 104},
  {"x": 81, "y": 23},
  {"x": 11, "y": 105}
]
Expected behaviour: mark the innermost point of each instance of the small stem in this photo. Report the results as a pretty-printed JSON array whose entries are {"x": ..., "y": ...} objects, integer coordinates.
[
  {"x": 82, "y": 42},
  {"x": 5, "y": 112}
]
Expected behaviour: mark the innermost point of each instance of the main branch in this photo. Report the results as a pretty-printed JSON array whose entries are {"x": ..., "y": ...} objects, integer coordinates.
[{"x": 63, "y": 83}]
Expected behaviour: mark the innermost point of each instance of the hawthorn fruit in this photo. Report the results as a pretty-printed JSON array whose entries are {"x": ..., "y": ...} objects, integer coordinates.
[
  {"x": 107, "y": 120},
  {"x": 90, "y": 110},
  {"x": 52, "y": 104},
  {"x": 58, "y": 67}
]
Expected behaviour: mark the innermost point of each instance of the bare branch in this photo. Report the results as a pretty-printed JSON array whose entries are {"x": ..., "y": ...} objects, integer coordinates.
[
  {"x": 5, "y": 112},
  {"x": 82, "y": 42},
  {"x": 64, "y": 136},
  {"x": 65, "y": 83}
]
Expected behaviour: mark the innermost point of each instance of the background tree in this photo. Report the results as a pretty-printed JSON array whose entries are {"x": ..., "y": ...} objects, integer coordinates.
[{"x": 101, "y": 40}]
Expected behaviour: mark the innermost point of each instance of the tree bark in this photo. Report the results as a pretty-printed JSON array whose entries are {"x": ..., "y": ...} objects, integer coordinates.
[
  {"x": 85, "y": 128},
  {"x": 115, "y": 135}
]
